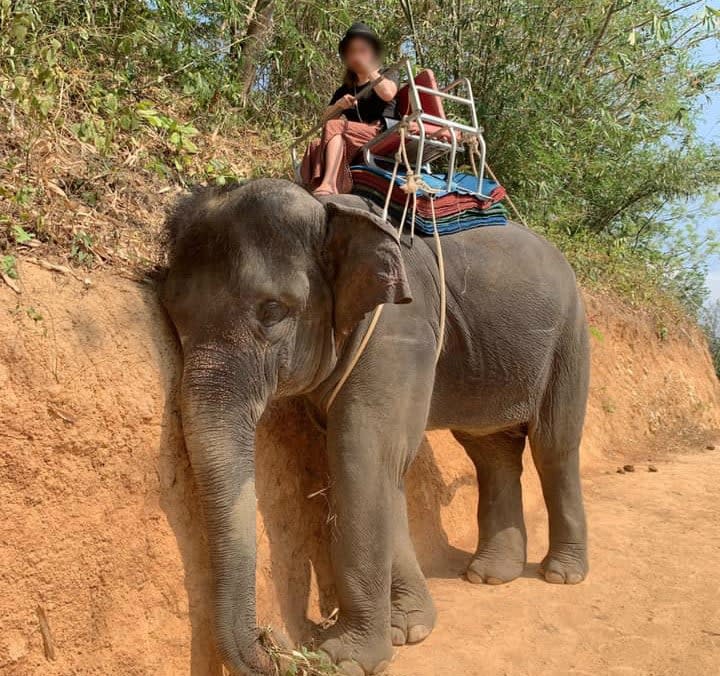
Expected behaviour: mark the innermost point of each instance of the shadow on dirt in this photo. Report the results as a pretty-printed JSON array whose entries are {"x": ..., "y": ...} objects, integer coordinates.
[
  {"x": 427, "y": 495},
  {"x": 181, "y": 504}
]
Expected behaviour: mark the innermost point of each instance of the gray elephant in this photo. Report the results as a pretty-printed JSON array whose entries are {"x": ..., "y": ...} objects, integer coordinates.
[{"x": 271, "y": 291}]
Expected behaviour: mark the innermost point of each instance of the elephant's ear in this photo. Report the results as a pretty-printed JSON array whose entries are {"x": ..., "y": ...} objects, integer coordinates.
[{"x": 365, "y": 264}]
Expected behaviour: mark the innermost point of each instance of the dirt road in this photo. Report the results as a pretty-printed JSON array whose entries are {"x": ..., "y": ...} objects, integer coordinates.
[{"x": 651, "y": 604}]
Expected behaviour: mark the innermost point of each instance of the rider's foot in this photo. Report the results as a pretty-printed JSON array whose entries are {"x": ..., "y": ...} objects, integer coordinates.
[{"x": 324, "y": 189}]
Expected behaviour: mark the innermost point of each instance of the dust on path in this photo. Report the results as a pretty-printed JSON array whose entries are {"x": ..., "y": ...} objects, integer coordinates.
[{"x": 651, "y": 604}]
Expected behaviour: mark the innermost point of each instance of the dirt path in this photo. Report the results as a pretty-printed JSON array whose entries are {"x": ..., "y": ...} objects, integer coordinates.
[
  {"x": 102, "y": 529},
  {"x": 651, "y": 604}
]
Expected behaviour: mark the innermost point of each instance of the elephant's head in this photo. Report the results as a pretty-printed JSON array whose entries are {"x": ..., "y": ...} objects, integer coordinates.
[{"x": 263, "y": 282}]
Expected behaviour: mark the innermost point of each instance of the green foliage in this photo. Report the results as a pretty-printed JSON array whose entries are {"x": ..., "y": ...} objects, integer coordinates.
[
  {"x": 8, "y": 266},
  {"x": 20, "y": 235},
  {"x": 219, "y": 172},
  {"x": 304, "y": 662},
  {"x": 296, "y": 662},
  {"x": 590, "y": 108},
  {"x": 596, "y": 333},
  {"x": 81, "y": 249},
  {"x": 33, "y": 314},
  {"x": 178, "y": 135}
]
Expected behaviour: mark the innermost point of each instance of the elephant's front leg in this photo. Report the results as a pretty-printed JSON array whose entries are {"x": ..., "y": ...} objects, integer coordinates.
[{"x": 363, "y": 486}]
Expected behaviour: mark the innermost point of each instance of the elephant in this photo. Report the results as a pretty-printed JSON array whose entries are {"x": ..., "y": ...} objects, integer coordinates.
[{"x": 271, "y": 291}]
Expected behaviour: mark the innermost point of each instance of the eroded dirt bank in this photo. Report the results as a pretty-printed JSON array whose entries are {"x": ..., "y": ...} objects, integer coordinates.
[{"x": 101, "y": 526}]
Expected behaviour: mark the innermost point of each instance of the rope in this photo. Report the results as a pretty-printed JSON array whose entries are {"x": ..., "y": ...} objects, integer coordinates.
[
  {"x": 398, "y": 158},
  {"x": 404, "y": 215},
  {"x": 358, "y": 353},
  {"x": 472, "y": 142},
  {"x": 443, "y": 290},
  {"x": 413, "y": 182}
]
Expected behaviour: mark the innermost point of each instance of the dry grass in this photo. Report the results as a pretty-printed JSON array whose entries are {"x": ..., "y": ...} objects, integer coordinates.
[
  {"x": 65, "y": 200},
  {"x": 291, "y": 662}
]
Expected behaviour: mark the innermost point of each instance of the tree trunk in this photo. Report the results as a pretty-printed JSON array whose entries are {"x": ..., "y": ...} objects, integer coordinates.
[{"x": 259, "y": 29}]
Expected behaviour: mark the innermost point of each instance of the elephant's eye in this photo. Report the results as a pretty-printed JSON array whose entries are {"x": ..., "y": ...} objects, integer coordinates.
[{"x": 272, "y": 311}]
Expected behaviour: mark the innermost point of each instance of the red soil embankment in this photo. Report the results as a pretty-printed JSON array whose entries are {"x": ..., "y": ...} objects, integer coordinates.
[{"x": 101, "y": 526}]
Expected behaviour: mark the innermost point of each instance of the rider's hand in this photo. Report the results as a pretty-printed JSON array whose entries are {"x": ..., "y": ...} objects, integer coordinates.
[{"x": 347, "y": 101}]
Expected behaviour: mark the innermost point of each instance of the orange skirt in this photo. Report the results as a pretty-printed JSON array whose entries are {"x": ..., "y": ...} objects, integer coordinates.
[{"x": 355, "y": 135}]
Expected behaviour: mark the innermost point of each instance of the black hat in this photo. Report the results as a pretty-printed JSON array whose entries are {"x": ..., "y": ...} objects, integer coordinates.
[{"x": 360, "y": 30}]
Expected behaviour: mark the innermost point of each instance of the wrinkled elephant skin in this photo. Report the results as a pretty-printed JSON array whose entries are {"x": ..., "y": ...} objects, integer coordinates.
[{"x": 271, "y": 291}]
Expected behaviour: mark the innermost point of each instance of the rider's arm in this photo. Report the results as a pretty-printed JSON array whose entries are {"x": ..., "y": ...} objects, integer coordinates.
[
  {"x": 338, "y": 103},
  {"x": 333, "y": 110},
  {"x": 386, "y": 89}
]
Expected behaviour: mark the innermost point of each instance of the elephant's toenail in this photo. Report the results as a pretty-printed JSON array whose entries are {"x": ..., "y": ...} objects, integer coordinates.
[
  {"x": 473, "y": 577},
  {"x": 382, "y": 667},
  {"x": 397, "y": 636},
  {"x": 494, "y": 580},
  {"x": 554, "y": 578},
  {"x": 574, "y": 578},
  {"x": 417, "y": 633},
  {"x": 349, "y": 668}
]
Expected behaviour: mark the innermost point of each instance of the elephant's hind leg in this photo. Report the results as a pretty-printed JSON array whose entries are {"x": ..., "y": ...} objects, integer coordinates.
[
  {"x": 413, "y": 612},
  {"x": 555, "y": 443},
  {"x": 501, "y": 550}
]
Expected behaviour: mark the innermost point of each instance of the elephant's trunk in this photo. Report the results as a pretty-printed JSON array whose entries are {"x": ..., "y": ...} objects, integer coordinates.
[{"x": 222, "y": 402}]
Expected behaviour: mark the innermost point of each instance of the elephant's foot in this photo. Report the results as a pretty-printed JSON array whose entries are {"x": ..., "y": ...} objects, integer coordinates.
[
  {"x": 413, "y": 613},
  {"x": 248, "y": 654},
  {"x": 499, "y": 559},
  {"x": 357, "y": 653},
  {"x": 565, "y": 564}
]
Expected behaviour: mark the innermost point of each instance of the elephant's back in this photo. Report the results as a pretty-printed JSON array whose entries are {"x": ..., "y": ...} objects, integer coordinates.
[
  {"x": 508, "y": 253},
  {"x": 512, "y": 300}
]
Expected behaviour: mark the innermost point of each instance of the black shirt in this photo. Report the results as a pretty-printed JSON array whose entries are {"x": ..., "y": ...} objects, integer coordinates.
[{"x": 370, "y": 108}]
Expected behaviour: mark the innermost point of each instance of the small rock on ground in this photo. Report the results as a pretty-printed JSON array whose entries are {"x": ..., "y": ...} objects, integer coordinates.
[{"x": 629, "y": 468}]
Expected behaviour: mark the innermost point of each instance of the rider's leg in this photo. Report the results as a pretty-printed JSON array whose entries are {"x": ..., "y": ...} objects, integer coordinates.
[{"x": 334, "y": 151}]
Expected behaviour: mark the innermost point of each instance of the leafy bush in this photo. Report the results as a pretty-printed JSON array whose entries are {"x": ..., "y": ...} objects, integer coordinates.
[{"x": 591, "y": 109}]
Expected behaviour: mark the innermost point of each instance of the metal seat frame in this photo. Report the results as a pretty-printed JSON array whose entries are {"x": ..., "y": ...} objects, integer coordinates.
[{"x": 426, "y": 148}]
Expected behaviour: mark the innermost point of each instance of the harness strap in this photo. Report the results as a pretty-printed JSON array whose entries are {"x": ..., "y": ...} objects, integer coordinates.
[
  {"x": 358, "y": 353},
  {"x": 443, "y": 289}
]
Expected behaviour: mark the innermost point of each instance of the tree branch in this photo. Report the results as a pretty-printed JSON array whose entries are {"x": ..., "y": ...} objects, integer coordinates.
[
  {"x": 612, "y": 8},
  {"x": 647, "y": 22}
]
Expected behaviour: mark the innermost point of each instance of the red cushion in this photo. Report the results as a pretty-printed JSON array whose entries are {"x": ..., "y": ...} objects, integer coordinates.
[
  {"x": 432, "y": 105},
  {"x": 387, "y": 146}
]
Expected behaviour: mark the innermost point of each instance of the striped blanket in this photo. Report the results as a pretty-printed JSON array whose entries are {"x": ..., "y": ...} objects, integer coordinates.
[{"x": 455, "y": 210}]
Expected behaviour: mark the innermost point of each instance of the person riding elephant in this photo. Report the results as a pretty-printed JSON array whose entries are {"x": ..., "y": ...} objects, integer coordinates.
[
  {"x": 350, "y": 121},
  {"x": 271, "y": 292}
]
